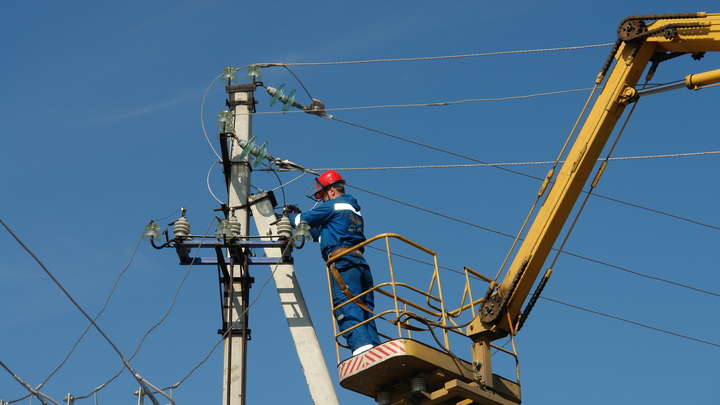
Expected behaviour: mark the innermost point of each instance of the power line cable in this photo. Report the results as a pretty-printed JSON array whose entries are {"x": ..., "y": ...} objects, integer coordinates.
[
  {"x": 117, "y": 280},
  {"x": 202, "y": 121},
  {"x": 474, "y": 55},
  {"x": 564, "y": 303},
  {"x": 150, "y": 330},
  {"x": 537, "y": 178},
  {"x": 549, "y": 162},
  {"x": 657, "y": 211},
  {"x": 33, "y": 391},
  {"x": 632, "y": 322},
  {"x": 102, "y": 386},
  {"x": 286, "y": 66},
  {"x": 641, "y": 274},
  {"x": 499, "y": 166},
  {"x": 565, "y": 252},
  {"x": 481, "y": 163},
  {"x": 174, "y": 299},
  {"x": 107, "y": 300},
  {"x": 516, "y": 163},
  {"x": 496, "y": 165},
  {"x": 495, "y": 99},
  {"x": 428, "y": 146},
  {"x": 513, "y": 237},
  {"x": 298, "y": 80},
  {"x": 168, "y": 216},
  {"x": 434, "y": 104},
  {"x": 137, "y": 376},
  {"x": 282, "y": 185},
  {"x": 503, "y": 164}
]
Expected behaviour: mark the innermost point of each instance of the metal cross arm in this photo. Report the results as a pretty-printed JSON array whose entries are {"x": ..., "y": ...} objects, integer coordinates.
[{"x": 235, "y": 248}]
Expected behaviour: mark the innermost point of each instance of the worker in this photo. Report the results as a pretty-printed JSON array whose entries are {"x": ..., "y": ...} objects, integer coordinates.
[{"x": 338, "y": 225}]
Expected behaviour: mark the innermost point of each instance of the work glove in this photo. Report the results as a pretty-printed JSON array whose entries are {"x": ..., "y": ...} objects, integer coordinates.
[{"x": 291, "y": 209}]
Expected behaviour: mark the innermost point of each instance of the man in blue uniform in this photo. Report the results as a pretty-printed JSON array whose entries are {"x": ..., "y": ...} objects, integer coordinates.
[{"x": 338, "y": 225}]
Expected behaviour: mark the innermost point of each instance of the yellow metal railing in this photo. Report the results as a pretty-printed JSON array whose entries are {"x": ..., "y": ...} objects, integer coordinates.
[
  {"x": 430, "y": 314},
  {"x": 404, "y": 309}
]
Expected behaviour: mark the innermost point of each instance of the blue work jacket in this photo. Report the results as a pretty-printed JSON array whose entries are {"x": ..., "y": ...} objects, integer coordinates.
[{"x": 335, "y": 224}]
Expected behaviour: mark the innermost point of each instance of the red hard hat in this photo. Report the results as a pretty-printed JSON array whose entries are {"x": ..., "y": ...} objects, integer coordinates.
[{"x": 325, "y": 180}]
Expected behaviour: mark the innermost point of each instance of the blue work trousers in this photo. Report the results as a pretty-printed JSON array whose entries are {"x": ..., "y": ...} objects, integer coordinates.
[{"x": 358, "y": 279}]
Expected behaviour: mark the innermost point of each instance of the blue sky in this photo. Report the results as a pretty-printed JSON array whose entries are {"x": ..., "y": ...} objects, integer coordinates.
[{"x": 101, "y": 132}]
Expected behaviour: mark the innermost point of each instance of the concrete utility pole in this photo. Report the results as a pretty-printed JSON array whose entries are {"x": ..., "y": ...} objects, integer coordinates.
[
  {"x": 236, "y": 294},
  {"x": 242, "y": 103},
  {"x": 295, "y": 309}
]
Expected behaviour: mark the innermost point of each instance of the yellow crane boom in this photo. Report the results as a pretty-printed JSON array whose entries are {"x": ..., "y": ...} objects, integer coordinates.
[{"x": 638, "y": 45}]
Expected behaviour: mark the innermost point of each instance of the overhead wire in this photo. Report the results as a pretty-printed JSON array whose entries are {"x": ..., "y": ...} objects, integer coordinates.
[
  {"x": 426, "y": 58},
  {"x": 285, "y": 184},
  {"x": 298, "y": 80},
  {"x": 486, "y": 99},
  {"x": 33, "y": 391},
  {"x": 632, "y": 322},
  {"x": 172, "y": 304},
  {"x": 549, "y": 162},
  {"x": 161, "y": 391},
  {"x": 500, "y": 166},
  {"x": 427, "y": 146},
  {"x": 202, "y": 120},
  {"x": 658, "y": 211},
  {"x": 513, "y": 236},
  {"x": 571, "y": 305},
  {"x": 107, "y": 300},
  {"x": 282, "y": 186},
  {"x": 432, "y": 104},
  {"x": 207, "y": 182},
  {"x": 175, "y": 296},
  {"x": 102, "y": 386},
  {"x": 137, "y": 376},
  {"x": 670, "y": 155},
  {"x": 286, "y": 66}
]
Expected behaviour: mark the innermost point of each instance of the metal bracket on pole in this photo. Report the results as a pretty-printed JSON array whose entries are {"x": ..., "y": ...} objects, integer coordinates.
[
  {"x": 184, "y": 248},
  {"x": 141, "y": 395},
  {"x": 245, "y": 88}
]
